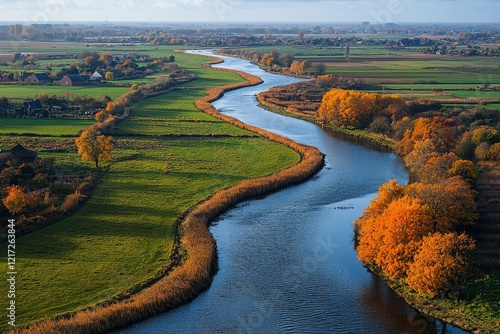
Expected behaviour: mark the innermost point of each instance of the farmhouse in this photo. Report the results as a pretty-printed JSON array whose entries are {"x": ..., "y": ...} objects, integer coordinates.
[
  {"x": 96, "y": 77},
  {"x": 24, "y": 76},
  {"x": 73, "y": 80},
  {"x": 21, "y": 154},
  {"x": 32, "y": 108},
  {"x": 39, "y": 78},
  {"x": 6, "y": 109},
  {"x": 4, "y": 58},
  {"x": 56, "y": 109}
]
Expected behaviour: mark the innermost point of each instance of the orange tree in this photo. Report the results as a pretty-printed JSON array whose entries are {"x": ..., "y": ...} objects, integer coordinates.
[
  {"x": 451, "y": 201},
  {"x": 352, "y": 109},
  {"x": 94, "y": 146},
  {"x": 387, "y": 193},
  {"x": 391, "y": 239},
  {"x": 437, "y": 130},
  {"x": 16, "y": 201},
  {"x": 440, "y": 260}
]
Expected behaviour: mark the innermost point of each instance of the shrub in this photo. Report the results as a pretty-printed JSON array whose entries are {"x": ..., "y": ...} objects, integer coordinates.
[{"x": 71, "y": 202}]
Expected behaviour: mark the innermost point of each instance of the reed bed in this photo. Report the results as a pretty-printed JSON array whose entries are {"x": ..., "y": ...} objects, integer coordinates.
[{"x": 194, "y": 274}]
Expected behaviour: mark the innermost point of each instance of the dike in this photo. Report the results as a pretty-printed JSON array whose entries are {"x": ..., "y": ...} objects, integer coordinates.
[{"x": 198, "y": 263}]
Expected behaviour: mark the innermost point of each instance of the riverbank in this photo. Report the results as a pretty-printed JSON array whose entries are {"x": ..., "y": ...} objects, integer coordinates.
[
  {"x": 380, "y": 140},
  {"x": 476, "y": 316},
  {"x": 196, "y": 244}
]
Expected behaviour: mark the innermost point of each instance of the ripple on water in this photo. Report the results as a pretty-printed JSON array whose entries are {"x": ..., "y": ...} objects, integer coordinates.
[{"x": 286, "y": 261}]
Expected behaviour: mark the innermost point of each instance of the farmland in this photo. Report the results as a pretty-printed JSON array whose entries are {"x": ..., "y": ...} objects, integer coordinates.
[
  {"x": 169, "y": 157},
  {"x": 151, "y": 181},
  {"x": 406, "y": 72},
  {"x": 43, "y": 127},
  {"x": 20, "y": 93}
]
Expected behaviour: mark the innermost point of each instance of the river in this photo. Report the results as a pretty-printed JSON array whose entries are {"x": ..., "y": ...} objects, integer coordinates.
[{"x": 287, "y": 262}]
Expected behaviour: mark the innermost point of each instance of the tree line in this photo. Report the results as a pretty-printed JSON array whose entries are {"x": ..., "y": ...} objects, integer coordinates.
[
  {"x": 274, "y": 62},
  {"x": 416, "y": 232},
  {"x": 34, "y": 193}
]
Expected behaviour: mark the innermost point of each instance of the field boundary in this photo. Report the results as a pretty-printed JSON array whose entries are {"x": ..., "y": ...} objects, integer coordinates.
[{"x": 195, "y": 242}]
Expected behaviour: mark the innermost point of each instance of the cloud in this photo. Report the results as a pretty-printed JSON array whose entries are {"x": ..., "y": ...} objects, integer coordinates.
[
  {"x": 164, "y": 4},
  {"x": 252, "y": 10}
]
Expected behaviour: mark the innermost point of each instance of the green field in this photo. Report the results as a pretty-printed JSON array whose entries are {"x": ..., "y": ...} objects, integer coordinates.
[
  {"x": 77, "y": 48},
  {"x": 124, "y": 234},
  {"x": 406, "y": 72},
  {"x": 148, "y": 118},
  {"x": 307, "y": 52},
  {"x": 43, "y": 126},
  {"x": 19, "y": 93}
]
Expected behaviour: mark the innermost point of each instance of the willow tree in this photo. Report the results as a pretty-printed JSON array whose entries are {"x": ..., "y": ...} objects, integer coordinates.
[{"x": 94, "y": 146}]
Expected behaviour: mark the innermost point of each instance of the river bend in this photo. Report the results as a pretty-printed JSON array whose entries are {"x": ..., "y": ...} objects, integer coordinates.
[{"x": 287, "y": 263}]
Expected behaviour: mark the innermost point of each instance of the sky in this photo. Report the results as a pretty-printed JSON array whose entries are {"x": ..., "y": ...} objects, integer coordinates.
[{"x": 375, "y": 11}]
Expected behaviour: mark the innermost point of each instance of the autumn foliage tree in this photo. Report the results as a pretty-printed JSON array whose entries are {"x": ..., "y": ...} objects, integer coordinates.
[
  {"x": 101, "y": 116},
  {"x": 436, "y": 130},
  {"x": 391, "y": 239},
  {"x": 440, "y": 259},
  {"x": 387, "y": 193},
  {"x": 352, "y": 109},
  {"x": 16, "y": 201},
  {"x": 436, "y": 167},
  {"x": 94, "y": 147},
  {"x": 451, "y": 201},
  {"x": 392, "y": 229},
  {"x": 465, "y": 169},
  {"x": 299, "y": 67}
]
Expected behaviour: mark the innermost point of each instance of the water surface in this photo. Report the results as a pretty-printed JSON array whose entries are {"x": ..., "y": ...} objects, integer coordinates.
[{"x": 287, "y": 262}]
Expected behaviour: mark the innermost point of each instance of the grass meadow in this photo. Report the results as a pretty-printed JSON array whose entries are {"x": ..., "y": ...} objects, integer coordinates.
[
  {"x": 406, "y": 72},
  {"x": 124, "y": 234},
  {"x": 43, "y": 126},
  {"x": 452, "y": 77},
  {"x": 20, "y": 93}
]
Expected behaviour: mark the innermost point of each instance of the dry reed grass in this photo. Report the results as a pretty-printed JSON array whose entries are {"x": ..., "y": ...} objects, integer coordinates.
[{"x": 194, "y": 275}]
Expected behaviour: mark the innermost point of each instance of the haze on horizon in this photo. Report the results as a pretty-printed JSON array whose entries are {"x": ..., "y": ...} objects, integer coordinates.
[{"x": 376, "y": 11}]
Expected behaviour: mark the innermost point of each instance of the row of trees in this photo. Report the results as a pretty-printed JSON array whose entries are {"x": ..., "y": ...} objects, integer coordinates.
[
  {"x": 353, "y": 109},
  {"x": 471, "y": 134},
  {"x": 273, "y": 61}
]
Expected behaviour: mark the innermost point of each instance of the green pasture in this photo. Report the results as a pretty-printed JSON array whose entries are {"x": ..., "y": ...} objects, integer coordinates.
[
  {"x": 31, "y": 91},
  {"x": 399, "y": 67},
  {"x": 72, "y": 48},
  {"x": 308, "y": 52},
  {"x": 43, "y": 126},
  {"x": 173, "y": 114},
  {"x": 124, "y": 234},
  {"x": 477, "y": 94}
]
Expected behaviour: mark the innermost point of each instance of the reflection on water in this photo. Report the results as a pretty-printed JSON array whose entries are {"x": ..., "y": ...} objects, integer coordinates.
[{"x": 287, "y": 262}]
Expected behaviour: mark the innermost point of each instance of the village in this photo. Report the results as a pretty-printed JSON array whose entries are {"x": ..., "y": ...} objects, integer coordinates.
[{"x": 88, "y": 70}]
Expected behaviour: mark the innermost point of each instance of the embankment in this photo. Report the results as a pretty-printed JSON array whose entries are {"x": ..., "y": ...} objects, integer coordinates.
[{"x": 196, "y": 244}]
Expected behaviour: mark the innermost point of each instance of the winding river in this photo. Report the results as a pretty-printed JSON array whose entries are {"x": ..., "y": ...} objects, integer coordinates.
[{"x": 287, "y": 263}]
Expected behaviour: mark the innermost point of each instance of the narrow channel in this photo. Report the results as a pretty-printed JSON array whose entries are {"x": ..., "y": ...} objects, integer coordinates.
[{"x": 287, "y": 262}]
